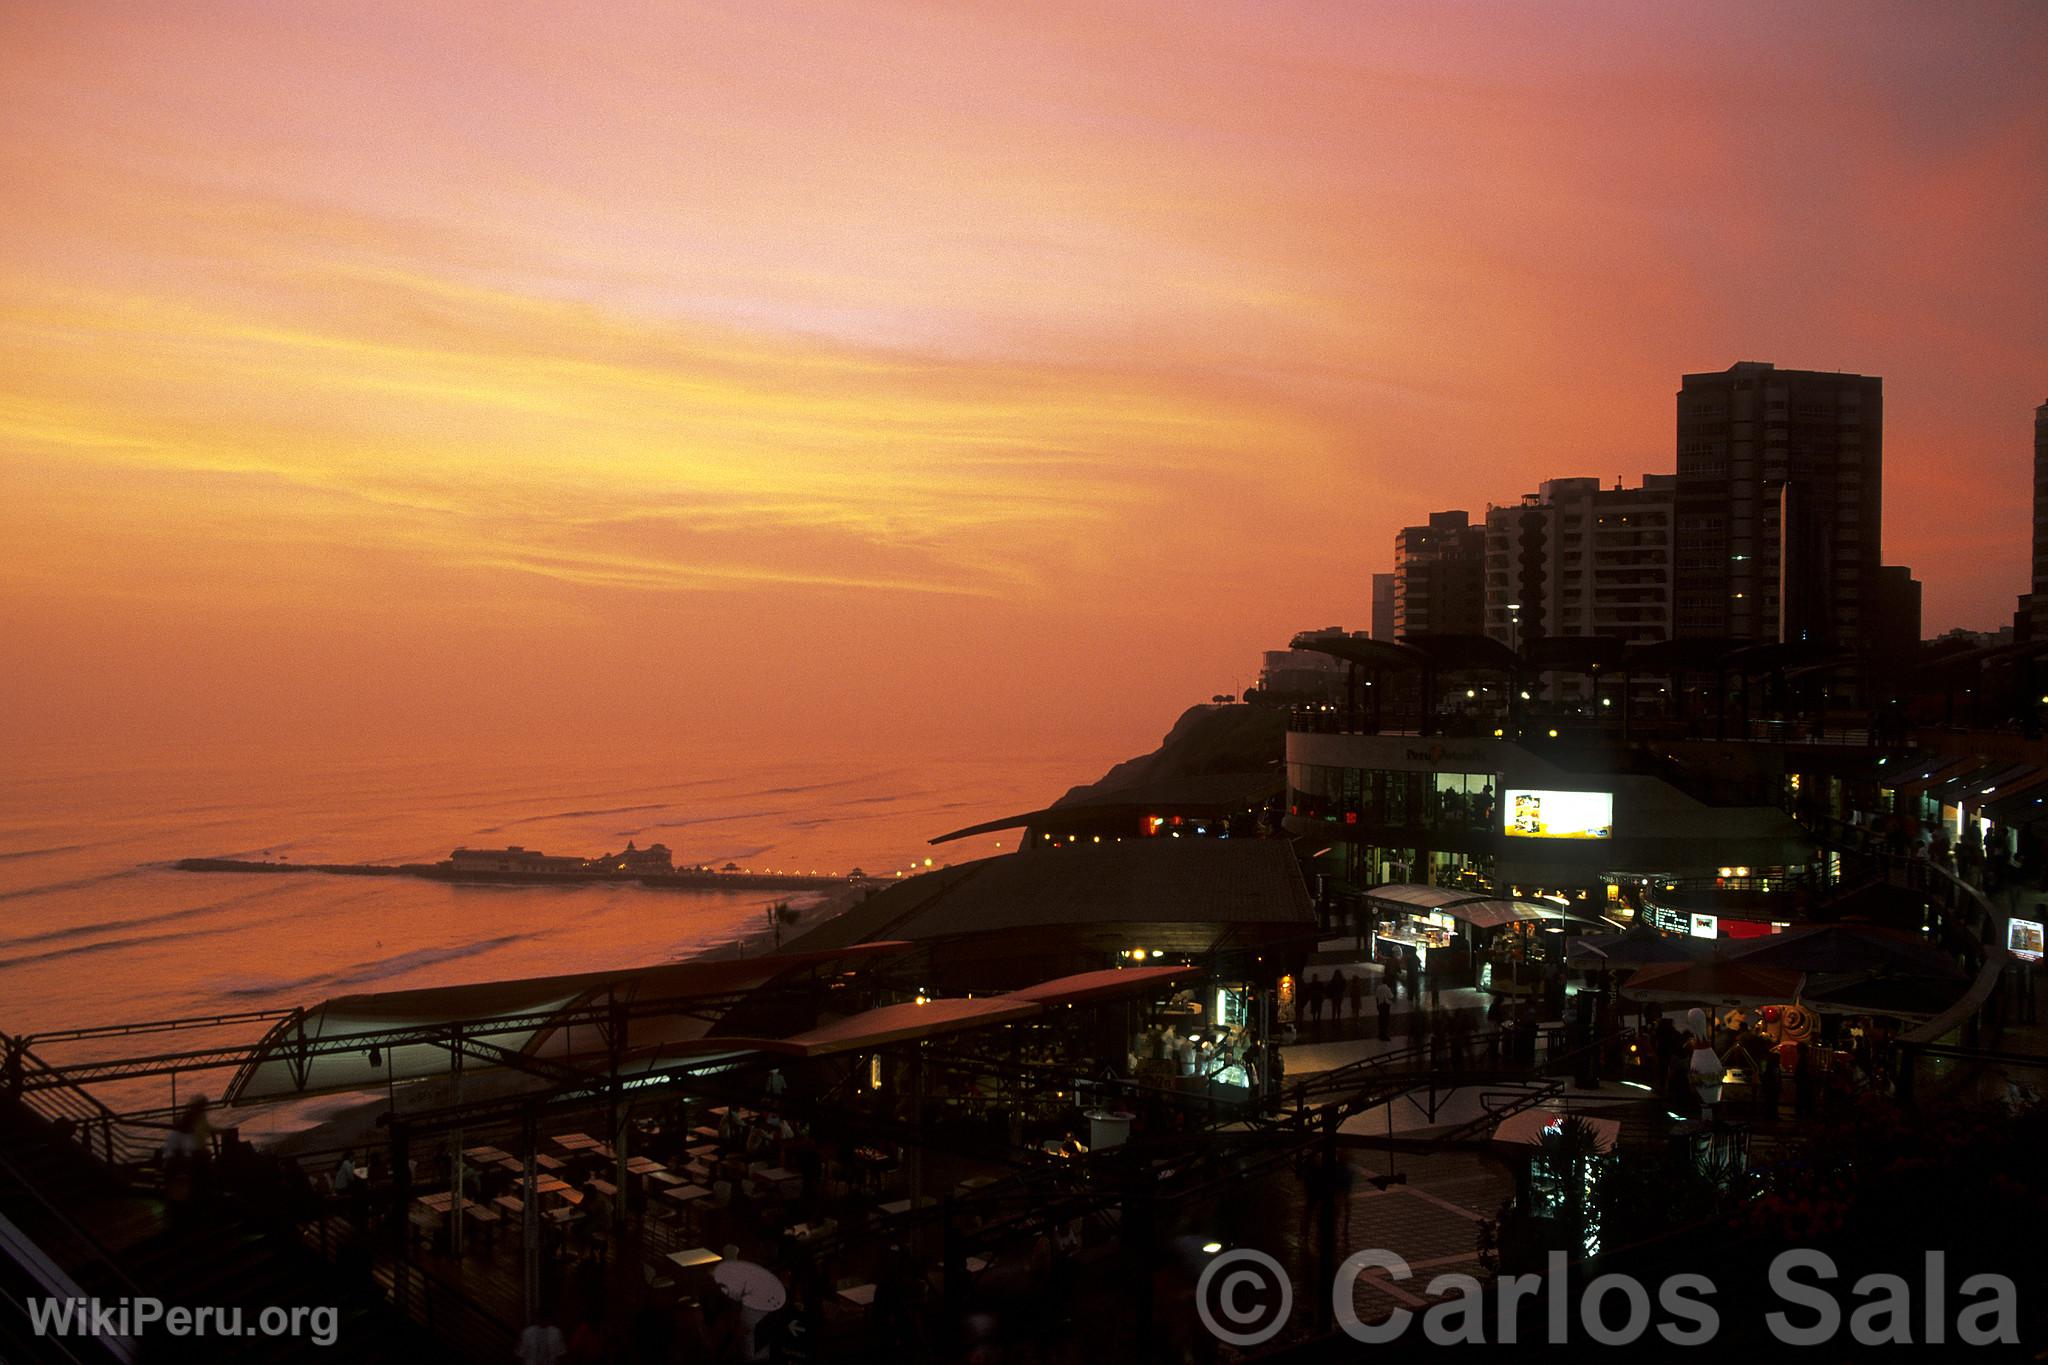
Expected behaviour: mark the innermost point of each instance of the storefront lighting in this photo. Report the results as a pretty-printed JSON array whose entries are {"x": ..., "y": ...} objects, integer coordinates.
[
  {"x": 1498, "y": 733},
  {"x": 1553, "y": 734},
  {"x": 1525, "y": 694},
  {"x": 1211, "y": 1248}
]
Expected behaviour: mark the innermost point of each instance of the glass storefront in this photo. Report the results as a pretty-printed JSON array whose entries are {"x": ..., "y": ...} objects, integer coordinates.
[{"x": 1392, "y": 799}]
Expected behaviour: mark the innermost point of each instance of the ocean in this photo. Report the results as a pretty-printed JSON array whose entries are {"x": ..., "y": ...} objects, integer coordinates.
[{"x": 95, "y": 927}]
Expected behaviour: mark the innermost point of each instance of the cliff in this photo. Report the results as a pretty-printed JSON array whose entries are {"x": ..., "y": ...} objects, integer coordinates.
[{"x": 1206, "y": 741}]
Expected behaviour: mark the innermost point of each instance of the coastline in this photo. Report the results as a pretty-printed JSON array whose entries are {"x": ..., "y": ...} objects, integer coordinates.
[{"x": 820, "y": 909}]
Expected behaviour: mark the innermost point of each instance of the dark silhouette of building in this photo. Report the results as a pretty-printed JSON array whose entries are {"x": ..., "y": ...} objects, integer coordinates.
[
  {"x": 2035, "y": 608},
  {"x": 1895, "y": 633},
  {"x": 1383, "y": 607},
  {"x": 1440, "y": 577},
  {"x": 1779, "y": 505}
]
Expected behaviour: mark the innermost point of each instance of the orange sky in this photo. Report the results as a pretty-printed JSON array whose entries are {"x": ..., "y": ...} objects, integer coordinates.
[{"x": 916, "y": 375}]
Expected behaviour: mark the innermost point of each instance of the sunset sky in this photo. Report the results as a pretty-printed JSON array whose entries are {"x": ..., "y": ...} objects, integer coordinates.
[{"x": 912, "y": 374}]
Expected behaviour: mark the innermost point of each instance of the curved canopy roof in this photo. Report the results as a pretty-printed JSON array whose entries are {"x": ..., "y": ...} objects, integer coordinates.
[
  {"x": 1464, "y": 651},
  {"x": 1575, "y": 653},
  {"x": 1220, "y": 885},
  {"x": 1697, "y": 653},
  {"x": 1475, "y": 908},
  {"x": 1365, "y": 653},
  {"x": 1414, "y": 896},
  {"x": 328, "y": 1048},
  {"x": 916, "y": 1020},
  {"x": 1491, "y": 914},
  {"x": 1779, "y": 655}
]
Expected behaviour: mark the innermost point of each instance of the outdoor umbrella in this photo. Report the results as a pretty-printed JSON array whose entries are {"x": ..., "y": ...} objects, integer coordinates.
[
  {"x": 1847, "y": 948},
  {"x": 1640, "y": 946},
  {"x": 1714, "y": 981}
]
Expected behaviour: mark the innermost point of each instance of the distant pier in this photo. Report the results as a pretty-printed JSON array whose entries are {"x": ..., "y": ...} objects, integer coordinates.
[{"x": 675, "y": 879}]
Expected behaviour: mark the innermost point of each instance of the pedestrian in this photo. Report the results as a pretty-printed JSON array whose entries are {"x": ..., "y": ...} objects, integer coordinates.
[
  {"x": 1384, "y": 998},
  {"x": 1355, "y": 985},
  {"x": 542, "y": 1343},
  {"x": 187, "y": 1158}
]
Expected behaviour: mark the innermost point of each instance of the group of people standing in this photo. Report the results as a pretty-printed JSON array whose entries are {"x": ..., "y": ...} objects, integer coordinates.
[{"x": 1327, "y": 995}]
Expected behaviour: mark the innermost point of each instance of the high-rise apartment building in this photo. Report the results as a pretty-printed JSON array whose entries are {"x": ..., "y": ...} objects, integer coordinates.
[
  {"x": 2036, "y": 606},
  {"x": 1383, "y": 606},
  {"x": 1578, "y": 559},
  {"x": 1779, "y": 505},
  {"x": 1440, "y": 577}
]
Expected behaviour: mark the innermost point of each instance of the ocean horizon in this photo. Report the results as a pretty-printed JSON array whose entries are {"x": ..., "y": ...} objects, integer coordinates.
[{"x": 96, "y": 927}]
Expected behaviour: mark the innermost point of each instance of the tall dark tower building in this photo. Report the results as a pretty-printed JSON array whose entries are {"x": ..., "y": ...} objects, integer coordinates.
[
  {"x": 1440, "y": 577},
  {"x": 1779, "y": 505},
  {"x": 2037, "y": 601}
]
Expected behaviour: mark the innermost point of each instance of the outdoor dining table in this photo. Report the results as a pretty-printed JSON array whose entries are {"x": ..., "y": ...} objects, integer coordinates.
[
  {"x": 511, "y": 1203},
  {"x": 484, "y": 1155},
  {"x": 575, "y": 1141},
  {"x": 692, "y": 1258},
  {"x": 860, "y": 1295},
  {"x": 685, "y": 1198},
  {"x": 896, "y": 1206},
  {"x": 604, "y": 1187},
  {"x": 643, "y": 1165}
]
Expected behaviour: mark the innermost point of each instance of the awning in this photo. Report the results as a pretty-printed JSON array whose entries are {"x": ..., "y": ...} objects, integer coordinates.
[
  {"x": 2028, "y": 806},
  {"x": 1491, "y": 914},
  {"x": 1102, "y": 985},
  {"x": 2006, "y": 782},
  {"x": 1973, "y": 781},
  {"x": 1927, "y": 771},
  {"x": 898, "y": 1024},
  {"x": 1415, "y": 897}
]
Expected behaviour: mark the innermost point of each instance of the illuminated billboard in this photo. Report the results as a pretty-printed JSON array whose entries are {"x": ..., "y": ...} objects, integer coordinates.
[
  {"x": 1558, "y": 815},
  {"x": 2023, "y": 939}
]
